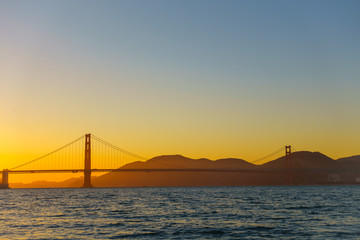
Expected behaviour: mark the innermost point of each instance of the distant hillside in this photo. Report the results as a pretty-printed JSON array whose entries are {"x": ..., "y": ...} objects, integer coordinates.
[
  {"x": 70, "y": 183},
  {"x": 43, "y": 184}
]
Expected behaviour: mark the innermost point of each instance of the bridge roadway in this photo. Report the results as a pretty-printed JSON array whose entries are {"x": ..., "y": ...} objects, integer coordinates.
[
  {"x": 176, "y": 170},
  {"x": 134, "y": 170}
]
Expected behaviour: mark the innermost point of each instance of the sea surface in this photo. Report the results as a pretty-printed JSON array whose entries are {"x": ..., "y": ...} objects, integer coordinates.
[{"x": 301, "y": 212}]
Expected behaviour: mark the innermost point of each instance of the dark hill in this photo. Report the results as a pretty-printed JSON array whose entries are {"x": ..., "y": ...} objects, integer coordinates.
[
  {"x": 180, "y": 178},
  {"x": 303, "y": 160},
  {"x": 178, "y": 161},
  {"x": 233, "y": 163},
  {"x": 349, "y": 163},
  {"x": 353, "y": 159}
]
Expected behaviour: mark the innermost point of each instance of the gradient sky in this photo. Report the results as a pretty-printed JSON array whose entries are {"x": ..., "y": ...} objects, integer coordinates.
[{"x": 200, "y": 78}]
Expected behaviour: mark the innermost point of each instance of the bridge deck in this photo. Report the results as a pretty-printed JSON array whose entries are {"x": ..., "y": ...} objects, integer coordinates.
[
  {"x": 175, "y": 170},
  {"x": 130, "y": 170}
]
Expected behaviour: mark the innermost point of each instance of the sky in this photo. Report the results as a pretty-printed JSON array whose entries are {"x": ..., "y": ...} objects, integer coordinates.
[{"x": 210, "y": 79}]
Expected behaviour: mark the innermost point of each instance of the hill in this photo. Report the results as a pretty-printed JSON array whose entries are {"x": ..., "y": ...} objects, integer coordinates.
[
  {"x": 303, "y": 160},
  {"x": 179, "y": 161},
  {"x": 349, "y": 163},
  {"x": 141, "y": 179}
]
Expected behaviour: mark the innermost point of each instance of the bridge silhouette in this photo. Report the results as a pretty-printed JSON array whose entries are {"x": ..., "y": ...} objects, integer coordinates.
[{"x": 89, "y": 154}]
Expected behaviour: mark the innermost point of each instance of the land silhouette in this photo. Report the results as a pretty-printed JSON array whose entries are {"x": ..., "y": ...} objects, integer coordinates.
[{"x": 308, "y": 168}]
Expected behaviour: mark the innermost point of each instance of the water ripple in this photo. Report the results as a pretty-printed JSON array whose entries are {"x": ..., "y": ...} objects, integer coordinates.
[{"x": 312, "y": 212}]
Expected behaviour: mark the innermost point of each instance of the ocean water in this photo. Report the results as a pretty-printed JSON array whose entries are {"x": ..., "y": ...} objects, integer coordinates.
[{"x": 302, "y": 212}]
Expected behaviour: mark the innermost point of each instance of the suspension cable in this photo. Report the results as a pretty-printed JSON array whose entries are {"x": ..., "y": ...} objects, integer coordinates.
[
  {"x": 117, "y": 148},
  {"x": 48, "y": 153},
  {"x": 269, "y": 155}
]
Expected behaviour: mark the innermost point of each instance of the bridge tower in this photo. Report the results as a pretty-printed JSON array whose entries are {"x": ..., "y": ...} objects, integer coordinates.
[
  {"x": 289, "y": 164},
  {"x": 87, "y": 165},
  {"x": 5, "y": 179}
]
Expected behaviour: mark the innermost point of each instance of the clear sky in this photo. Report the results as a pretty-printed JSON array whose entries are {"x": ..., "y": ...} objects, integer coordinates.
[{"x": 199, "y": 78}]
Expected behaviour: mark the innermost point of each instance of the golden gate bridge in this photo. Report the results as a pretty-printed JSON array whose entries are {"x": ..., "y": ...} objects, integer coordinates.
[{"x": 89, "y": 154}]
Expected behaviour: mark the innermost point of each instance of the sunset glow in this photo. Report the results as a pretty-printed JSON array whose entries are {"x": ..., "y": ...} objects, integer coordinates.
[{"x": 204, "y": 79}]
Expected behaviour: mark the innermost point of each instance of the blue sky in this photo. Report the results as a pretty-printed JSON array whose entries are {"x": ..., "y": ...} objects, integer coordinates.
[{"x": 200, "y": 78}]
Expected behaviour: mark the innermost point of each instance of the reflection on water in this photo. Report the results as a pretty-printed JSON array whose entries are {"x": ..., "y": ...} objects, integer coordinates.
[{"x": 306, "y": 212}]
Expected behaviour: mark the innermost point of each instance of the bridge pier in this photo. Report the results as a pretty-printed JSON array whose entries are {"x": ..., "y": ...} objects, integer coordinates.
[
  {"x": 87, "y": 165},
  {"x": 5, "y": 179},
  {"x": 289, "y": 165}
]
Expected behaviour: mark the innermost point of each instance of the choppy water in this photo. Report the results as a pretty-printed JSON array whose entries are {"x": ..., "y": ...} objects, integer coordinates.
[{"x": 315, "y": 212}]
